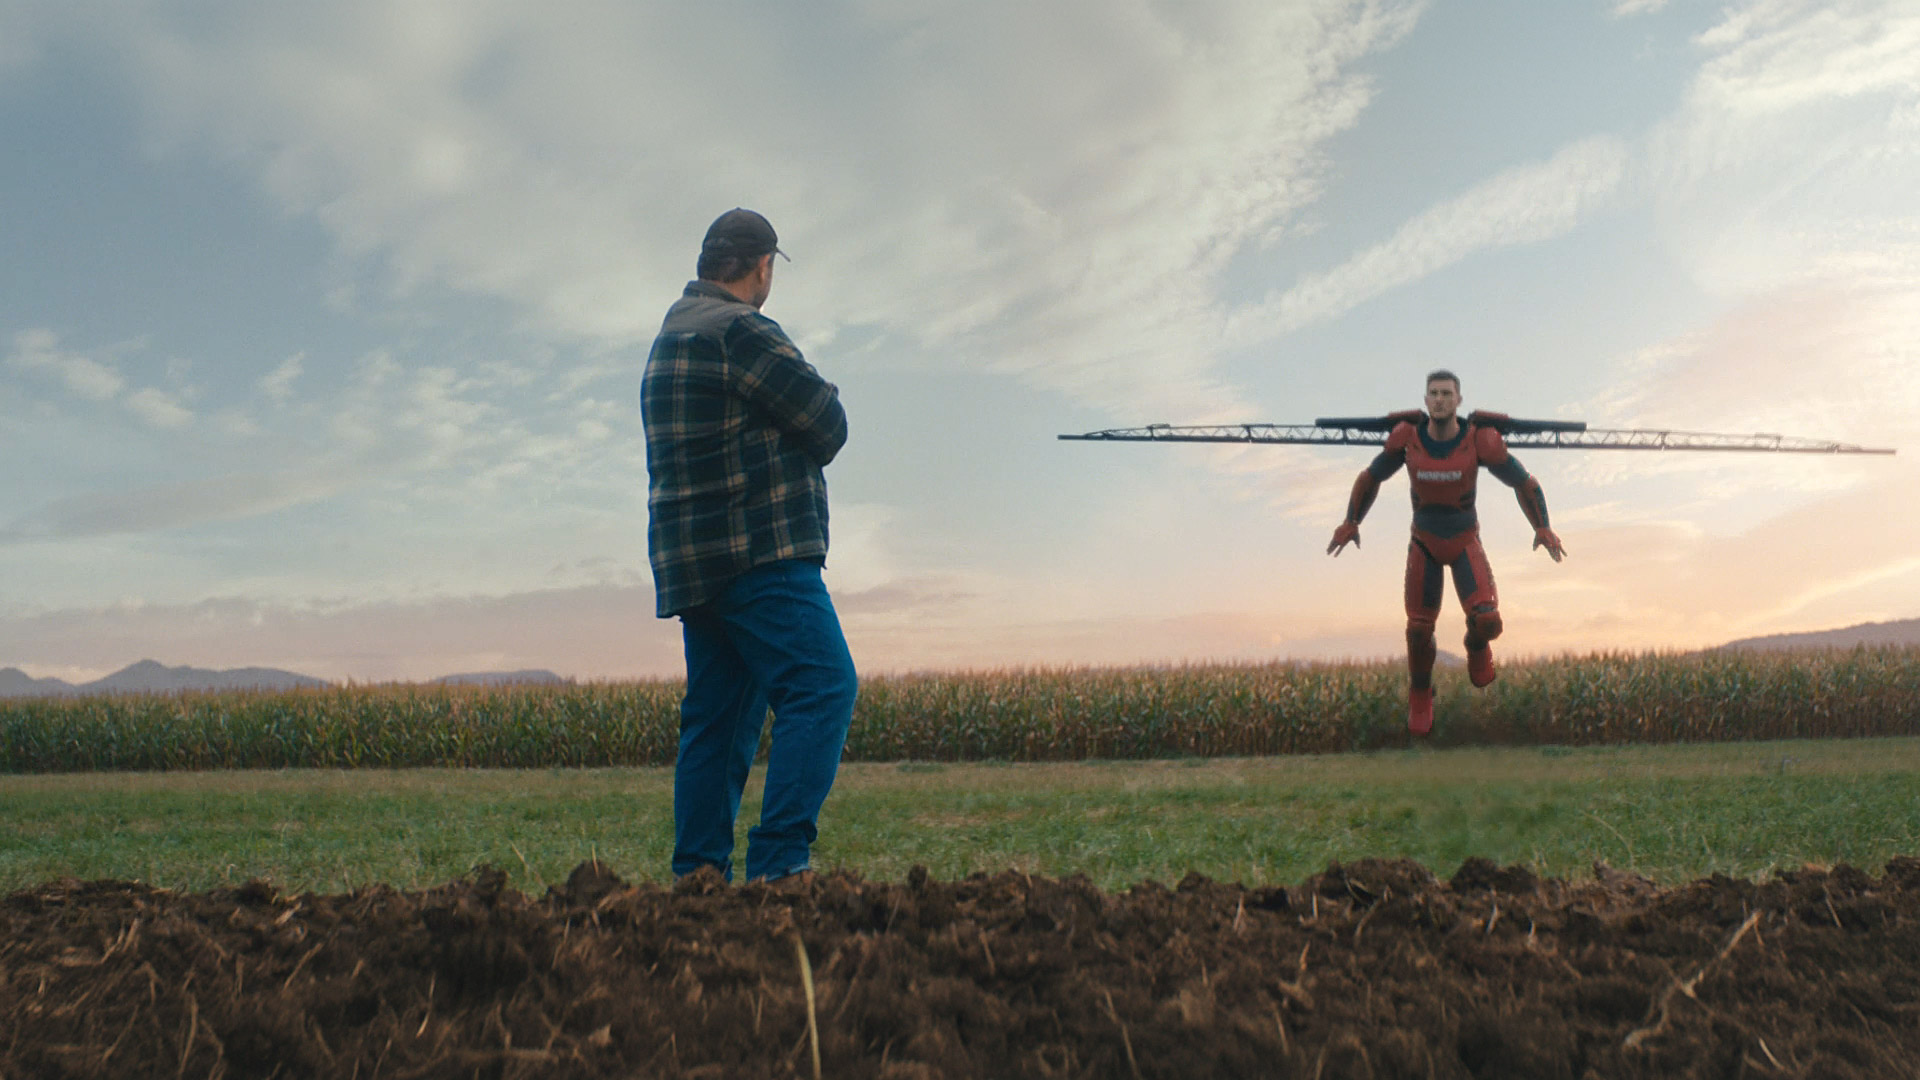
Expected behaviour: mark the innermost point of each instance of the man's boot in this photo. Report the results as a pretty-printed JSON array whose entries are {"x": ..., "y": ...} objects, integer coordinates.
[{"x": 1420, "y": 711}]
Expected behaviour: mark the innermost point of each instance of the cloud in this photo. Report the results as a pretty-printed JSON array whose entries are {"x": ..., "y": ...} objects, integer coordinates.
[
  {"x": 237, "y": 423},
  {"x": 38, "y": 351},
  {"x": 278, "y": 383},
  {"x": 1627, "y": 8},
  {"x": 1051, "y": 190},
  {"x": 470, "y": 453},
  {"x": 439, "y": 408},
  {"x": 158, "y": 409},
  {"x": 1783, "y": 187},
  {"x": 1820, "y": 359},
  {"x": 911, "y": 597},
  {"x": 1521, "y": 206},
  {"x": 217, "y": 498},
  {"x": 1775, "y": 55},
  {"x": 1795, "y": 152}
]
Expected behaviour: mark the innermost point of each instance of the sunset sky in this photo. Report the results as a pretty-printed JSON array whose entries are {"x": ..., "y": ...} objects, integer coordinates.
[{"x": 322, "y": 324}]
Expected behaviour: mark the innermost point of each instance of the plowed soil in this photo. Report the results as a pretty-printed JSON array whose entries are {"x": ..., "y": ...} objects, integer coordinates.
[{"x": 1372, "y": 969}]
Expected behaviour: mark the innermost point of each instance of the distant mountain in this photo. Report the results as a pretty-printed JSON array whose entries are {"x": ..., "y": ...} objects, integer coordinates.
[
  {"x": 1900, "y": 632},
  {"x": 153, "y": 677},
  {"x": 501, "y": 678},
  {"x": 17, "y": 683}
]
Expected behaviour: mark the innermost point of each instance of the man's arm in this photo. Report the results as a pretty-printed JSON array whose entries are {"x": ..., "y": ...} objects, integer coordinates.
[
  {"x": 769, "y": 372},
  {"x": 1526, "y": 488},
  {"x": 1366, "y": 487}
]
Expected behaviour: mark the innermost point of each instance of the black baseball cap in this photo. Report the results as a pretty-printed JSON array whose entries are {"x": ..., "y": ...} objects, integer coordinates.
[{"x": 742, "y": 232}]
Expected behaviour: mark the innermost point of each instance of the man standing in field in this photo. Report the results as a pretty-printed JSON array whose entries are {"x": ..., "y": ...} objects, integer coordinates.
[
  {"x": 1443, "y": 458},
  {"x": 738, "y": 429}
]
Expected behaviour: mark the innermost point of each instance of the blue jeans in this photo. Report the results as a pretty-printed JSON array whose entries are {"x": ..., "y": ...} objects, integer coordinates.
[{"x": 772, "y": 639}]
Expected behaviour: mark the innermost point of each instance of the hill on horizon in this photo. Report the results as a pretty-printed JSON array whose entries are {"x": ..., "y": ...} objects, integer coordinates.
[
  {"x": 153, "y": 677},
  {"x": 537, "y": 676},
  {"x": 1897, "y": 632}
]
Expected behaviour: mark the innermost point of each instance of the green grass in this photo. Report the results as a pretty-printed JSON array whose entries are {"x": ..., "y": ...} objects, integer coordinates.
[{"x": 1671, "y": 812}]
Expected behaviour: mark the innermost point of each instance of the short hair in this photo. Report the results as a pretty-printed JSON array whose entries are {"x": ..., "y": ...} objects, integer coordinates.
[
  {"x": 1442, "y": 373},
  {"x": 727, "y": 266}
]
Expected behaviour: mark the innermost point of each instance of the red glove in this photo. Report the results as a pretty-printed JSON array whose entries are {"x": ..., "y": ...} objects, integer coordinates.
[
  {"x": 1349, "y": 531},
  {"x": 1544, "y": 537}
]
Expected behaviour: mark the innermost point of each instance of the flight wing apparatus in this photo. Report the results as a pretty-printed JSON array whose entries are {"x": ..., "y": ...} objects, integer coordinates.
[{"x": 1549, "y": 434}]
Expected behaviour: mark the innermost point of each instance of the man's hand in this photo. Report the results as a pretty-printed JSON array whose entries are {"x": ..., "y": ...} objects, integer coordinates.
[
  {"x": 1545, "y": 538},
  {"x": 1349, "y": 531}
]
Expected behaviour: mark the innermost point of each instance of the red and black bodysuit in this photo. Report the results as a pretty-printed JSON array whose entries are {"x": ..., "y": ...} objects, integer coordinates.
[{"x": 1446, "y": 531}]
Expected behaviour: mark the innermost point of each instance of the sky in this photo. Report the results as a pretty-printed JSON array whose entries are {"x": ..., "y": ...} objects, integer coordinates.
[{"x": 322, "y": 325}]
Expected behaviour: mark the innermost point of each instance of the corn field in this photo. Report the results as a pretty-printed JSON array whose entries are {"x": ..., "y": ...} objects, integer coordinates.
[{"x": 1015, "y": 715}]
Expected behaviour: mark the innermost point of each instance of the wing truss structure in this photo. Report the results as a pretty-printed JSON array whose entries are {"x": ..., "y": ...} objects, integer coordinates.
[{"x": 1546, "y": 434}]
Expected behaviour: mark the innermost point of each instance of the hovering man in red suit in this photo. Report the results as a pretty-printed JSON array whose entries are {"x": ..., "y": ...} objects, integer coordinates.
[{"x": 1443, "y": 456}]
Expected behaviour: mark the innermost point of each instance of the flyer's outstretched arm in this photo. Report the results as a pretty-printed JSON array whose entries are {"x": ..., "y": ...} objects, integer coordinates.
[
  {"x": 1367, "y": 485},
  {"x": 1526, "y": 488}
]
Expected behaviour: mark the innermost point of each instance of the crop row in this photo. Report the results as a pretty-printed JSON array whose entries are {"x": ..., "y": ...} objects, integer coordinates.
[{"x": 1015, "y": 715}]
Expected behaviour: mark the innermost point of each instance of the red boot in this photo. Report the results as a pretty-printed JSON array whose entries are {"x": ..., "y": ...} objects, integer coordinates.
[
  {"x": 1420, "y": 711},
  {"x": 1480, "y": 666}
]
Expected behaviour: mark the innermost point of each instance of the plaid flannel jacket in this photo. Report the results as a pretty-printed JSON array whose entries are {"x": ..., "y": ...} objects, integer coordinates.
[{"x": 738, "y": 427}]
